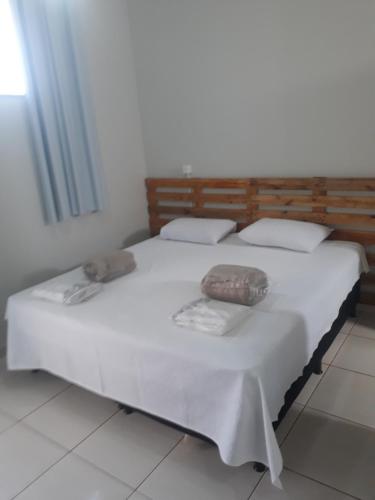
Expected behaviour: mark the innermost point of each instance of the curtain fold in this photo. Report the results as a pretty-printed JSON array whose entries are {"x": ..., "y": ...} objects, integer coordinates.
[{"x": 63, "y": 133}]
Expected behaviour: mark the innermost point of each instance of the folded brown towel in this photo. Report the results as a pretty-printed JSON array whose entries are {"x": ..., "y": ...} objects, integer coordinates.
[
  {"x": 109, "y": 267},
  {"x": 239, "y": 284}
]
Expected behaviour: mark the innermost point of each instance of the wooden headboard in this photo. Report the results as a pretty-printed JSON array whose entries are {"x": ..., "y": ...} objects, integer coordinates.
[{"x": 347, "y": 204}]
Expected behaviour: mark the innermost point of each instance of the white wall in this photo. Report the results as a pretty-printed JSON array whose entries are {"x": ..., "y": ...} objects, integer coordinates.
[
  {"x": 31, "y": 251},
  {"x": 256, "y": 87}
]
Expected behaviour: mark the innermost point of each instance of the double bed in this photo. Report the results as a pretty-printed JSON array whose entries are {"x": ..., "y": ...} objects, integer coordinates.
[{"x": 234, "y": 389}]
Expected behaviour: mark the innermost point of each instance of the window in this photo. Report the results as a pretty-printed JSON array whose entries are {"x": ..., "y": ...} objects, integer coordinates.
[{"x": 12, "y": 74}]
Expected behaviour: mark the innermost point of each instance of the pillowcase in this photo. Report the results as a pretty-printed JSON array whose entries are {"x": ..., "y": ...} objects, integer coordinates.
[
  {"x": 285, "y": 233},
  {"x": 195, "y": 230}
]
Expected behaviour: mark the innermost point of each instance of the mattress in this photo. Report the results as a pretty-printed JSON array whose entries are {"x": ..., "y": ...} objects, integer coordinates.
[{"x": 122, "y": 343}]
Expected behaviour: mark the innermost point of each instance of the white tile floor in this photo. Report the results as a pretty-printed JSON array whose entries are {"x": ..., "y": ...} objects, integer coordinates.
[{"x": 60, "y": 442}]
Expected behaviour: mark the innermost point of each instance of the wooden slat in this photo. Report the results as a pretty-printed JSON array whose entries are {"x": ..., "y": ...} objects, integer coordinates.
[
  {"x": 371, "y": 259},
  {"x": 173, "y": 196},
  {"x": 284, "y": 183},
  {"x": 358, "y": 202},
  {"x": 286, "y": 214},
  {"x": 200, "y": 199},
  {"x": 223, "y": 198},
  {"x": 366, "y": 238},
  {"x": 350, "y": 184},
  {"x": 220, "y": 213},
  {"x": 323, "y": 218},
  {"x": 168, "y": 210},
  {"x": 289, "y": 200},
  {"x": 364, "y": 202},
  {"x": 209, "y": 183},
  {"x": 349, "y": 219}
]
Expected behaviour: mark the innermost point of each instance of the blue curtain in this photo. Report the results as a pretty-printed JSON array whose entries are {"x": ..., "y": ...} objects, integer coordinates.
[{"x": 62, "y": 129}]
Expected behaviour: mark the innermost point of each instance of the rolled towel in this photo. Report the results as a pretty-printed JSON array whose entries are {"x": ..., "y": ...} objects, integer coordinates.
[
  {"x": 238, "y": 284},
  {"x": 211, "y": 316},
  {"x": 68, "y": 294},
  {"x": 109, "y": 267}
]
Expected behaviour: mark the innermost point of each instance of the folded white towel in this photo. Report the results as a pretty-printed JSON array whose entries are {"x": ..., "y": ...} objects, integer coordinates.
[
  {"x": 67, "y": 294},
  {"x": 211, "y": 316}
]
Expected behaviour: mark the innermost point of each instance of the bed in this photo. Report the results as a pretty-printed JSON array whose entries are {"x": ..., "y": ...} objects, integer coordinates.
[{"x": 234, "y": 389}]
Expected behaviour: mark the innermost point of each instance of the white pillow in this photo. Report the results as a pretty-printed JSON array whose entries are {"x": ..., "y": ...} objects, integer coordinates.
[
  {"x": 195, "y": 230},
  {"x": 285, "y": 233}
]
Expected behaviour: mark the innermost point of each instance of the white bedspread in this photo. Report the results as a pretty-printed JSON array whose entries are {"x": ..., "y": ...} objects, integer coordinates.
[{"x": 122, "y": 343}]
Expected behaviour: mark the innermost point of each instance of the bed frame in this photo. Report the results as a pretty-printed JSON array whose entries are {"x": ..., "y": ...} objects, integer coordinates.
[{"x": 347, "y": 204}]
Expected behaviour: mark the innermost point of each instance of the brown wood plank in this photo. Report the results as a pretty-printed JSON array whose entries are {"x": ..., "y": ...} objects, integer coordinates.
[
  {"x": 359, "y": 202},
  {"x": 224, "y": 198},
  {"x": 371, "y": 259},
  {"x": 213, "y": 183},
  {"x": 220, "y": 213},
  {"x": 288, "y": 214},
  {"x": 364, "y": 202},
  {"x": 284, "y": 183},
  {"x": 168, "y": 210},
  {"x": 320, "y": 218},
  {"x": 284, "y": 199},
  {"x": 350, "y": 184},
  {"x": 364, "y": 237},
  {"x": 200, "y": 198},
  {"x": 173, "y": 196},
  {"x": 349, "y": 219}
]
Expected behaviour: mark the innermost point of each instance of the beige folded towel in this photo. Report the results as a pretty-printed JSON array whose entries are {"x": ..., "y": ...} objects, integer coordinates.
[
  {"x": 239, "y": 284},
  {"x": 109, "y": 267}
]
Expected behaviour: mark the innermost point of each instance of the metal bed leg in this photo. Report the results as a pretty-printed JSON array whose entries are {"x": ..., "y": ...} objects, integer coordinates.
[
  {"x": 318, "y": 368},
  {"x": 126, "y": 409},
  {"x": 258, "y": 467}
]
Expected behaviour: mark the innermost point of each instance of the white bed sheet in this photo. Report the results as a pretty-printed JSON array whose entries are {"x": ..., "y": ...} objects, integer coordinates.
[{"x": 123, "y": 344}]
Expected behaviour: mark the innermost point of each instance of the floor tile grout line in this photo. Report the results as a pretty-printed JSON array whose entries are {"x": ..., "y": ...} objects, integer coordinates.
[
  {"x": 108, "y": 473},
  {"x": 353, "y": 371},
  {"x": 304, "y": 406},
  {"x": 323, "y": 484},
  {"x": 257, "y": 484},
  {"x": 68, "y": 452},
  {"x": 19, "y": 420},
  {"x": 362, "y": 337},
  {"x": 347, "y": 420},
  {"x": 13, "y": 424},
  {"x": 338, "y": 350},
  {"x": 156, "y": 466},
  {"x": 40, "y": 475},
  {"x": 43, "y": 404}
]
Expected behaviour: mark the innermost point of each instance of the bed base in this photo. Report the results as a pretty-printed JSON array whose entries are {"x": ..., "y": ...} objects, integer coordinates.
[{"x": 348, "y": 309}]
